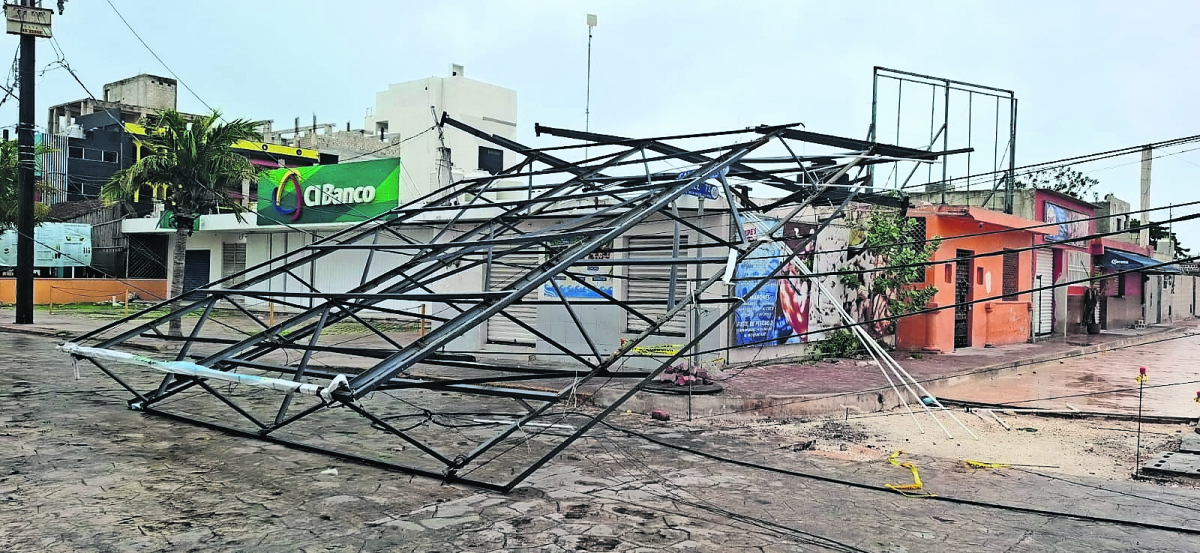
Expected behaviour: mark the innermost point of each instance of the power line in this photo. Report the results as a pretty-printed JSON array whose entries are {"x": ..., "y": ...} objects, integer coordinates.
[
  {"x": 152, "y": 52},
  {"x": 923, "y": 381},
  {"x": 979, "y": 179},
  {"x": 859, "y": 485}
]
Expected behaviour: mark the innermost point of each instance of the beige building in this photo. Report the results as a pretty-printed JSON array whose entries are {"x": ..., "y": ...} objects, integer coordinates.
[{"x": 133, "y": 98}]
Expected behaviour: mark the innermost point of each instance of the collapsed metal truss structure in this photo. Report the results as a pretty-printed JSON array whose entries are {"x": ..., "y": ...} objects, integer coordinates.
[{"x": 412, "y": 401}]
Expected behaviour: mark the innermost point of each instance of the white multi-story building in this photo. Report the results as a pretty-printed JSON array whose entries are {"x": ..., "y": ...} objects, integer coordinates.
[{"x": 401, "y": 127}]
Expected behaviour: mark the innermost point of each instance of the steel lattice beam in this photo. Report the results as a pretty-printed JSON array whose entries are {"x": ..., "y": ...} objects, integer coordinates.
[{"x": 423, "y": 251}]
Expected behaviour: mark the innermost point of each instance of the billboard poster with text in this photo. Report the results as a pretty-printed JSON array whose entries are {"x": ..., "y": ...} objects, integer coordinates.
[
  {"x": 1071, "y": 224},
  {"x": 338, "y": 193},
  {"x": 778, "y": 312},
  {"x": 55, "y": 245},
  {"x": 598, "y": 277}
]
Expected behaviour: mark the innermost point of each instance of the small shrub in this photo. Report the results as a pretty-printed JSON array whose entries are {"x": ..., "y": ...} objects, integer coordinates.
[{"x": 839, "y": 343}]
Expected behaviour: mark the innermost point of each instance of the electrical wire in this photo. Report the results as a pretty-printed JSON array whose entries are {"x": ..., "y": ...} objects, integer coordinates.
[
  {"x": 925, "y": 381},
  {"x": 942, "y": 498}
]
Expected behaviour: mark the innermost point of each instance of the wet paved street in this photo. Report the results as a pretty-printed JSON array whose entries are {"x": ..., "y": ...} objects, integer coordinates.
[
  {"x": 1103, "y": 381},
  {"x": 82, "y": 472}
]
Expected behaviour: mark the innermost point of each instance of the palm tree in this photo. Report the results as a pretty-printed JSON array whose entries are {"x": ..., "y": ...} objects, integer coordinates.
[
  {"x": 192, "y": 159},
  {"x": 8, "y": 187}
]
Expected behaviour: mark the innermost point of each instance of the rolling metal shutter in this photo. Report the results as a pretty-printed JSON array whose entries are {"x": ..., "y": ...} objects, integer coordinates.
[
  {"x": 651, "y": 282},
  {"x": 501, "y": 329},
  {"x": 1043, "y": 300},
  {"x": 233, "y": 261}
]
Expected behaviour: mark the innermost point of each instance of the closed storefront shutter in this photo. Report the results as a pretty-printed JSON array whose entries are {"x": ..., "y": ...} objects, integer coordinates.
[
  {"x": 1043, "y": 300},
  {"x": 651, "y": 283},
  {"x": 504, "y": 272},
  {"x": 233, "y": 261}
]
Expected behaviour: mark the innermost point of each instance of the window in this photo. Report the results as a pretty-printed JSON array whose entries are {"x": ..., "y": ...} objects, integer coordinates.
[
  {"x": 491, "y": 160},
  {"x": 1079, "y": 267},
  {"x": 917, "y": 235},
  {"x": 1121, "y": 285},
  {"x": 1012, "y": 266},
  {"x": 92, "y": 154}
]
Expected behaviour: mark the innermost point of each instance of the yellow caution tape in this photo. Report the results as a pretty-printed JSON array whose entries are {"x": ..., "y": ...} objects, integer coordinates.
[
  {"x": 979, "y": 465},
  {"x": 656, "y": 350},
  {"x": 903, "y": 489}
]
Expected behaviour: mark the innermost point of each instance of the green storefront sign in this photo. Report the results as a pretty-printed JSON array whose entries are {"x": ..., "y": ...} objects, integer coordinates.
[{"x": 343, "y": 192}]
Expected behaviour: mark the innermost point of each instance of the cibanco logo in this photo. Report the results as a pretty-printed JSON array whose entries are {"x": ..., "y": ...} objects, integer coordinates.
[
  {"x": 316, "y": 195},
  {"x": 293, "y": 178}
]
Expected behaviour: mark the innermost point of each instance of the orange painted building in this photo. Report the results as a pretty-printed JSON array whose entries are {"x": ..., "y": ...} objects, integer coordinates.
[{"x": 997, "y": 316}]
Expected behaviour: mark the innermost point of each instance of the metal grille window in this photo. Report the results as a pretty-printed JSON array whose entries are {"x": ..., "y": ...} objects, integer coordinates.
[
  {"x": 652, "y": 282},
  {"x": 1012, "y": 262},
  {"x": 1079, "y": 267},
  {"x": 917, "y": 235}
]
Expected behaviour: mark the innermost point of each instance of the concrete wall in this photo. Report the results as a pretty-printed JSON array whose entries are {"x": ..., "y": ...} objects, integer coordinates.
[
  {"x": 148, "y": 91},
  {"x": 1023, "y": 200},
  {"x": 1178, "y": 298},
  {"x": 85, "y": 290},
  {"x": 1117, "y": 211}
]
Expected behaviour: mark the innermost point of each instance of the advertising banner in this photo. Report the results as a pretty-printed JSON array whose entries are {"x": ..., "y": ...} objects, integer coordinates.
[
  {"x": 778, "y": 313},
  {"x": 599, "y": 276},
  {"x": 1070, "y": 227},
  {"x": 55, "y": 245},
  {"x": 343, "y": 192}
]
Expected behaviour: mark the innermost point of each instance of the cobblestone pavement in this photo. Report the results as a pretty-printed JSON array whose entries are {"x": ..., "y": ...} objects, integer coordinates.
[
  {"x": 1171, "y": 390},
  {"x": 79, "y": 471}
]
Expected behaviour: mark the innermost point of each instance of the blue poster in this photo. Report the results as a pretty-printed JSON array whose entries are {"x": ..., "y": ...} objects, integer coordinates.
[
  {"x": 778, "y": 312},
  {"x": 754, "y": 320},
  {"x": 598, "y": 276}
]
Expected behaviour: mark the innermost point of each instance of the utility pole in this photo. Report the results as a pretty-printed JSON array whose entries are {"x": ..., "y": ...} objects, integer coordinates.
[
  {"x": 1144, "y": 216},
  {"x": 25, "y": 184},
  {"x": 587, "y": 108},
  {"x": 29, "y": 22}
]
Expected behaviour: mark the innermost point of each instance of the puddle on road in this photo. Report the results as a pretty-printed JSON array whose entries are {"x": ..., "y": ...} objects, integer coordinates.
[{"x": 1099, "y": 382}]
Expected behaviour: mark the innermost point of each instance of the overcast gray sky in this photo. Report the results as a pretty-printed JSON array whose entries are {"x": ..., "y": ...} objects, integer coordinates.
[{"x": 1090, "y": 76}]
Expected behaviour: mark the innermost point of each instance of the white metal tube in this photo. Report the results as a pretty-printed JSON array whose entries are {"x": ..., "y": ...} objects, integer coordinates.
[{"x": 200, "y": 371}]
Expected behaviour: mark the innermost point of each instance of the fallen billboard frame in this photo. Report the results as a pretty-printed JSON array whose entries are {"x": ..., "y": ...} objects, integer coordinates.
[{"x": 471, "y": 409}]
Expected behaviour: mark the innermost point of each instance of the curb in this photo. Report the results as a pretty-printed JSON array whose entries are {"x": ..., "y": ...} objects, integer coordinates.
[
  {"x": 35, "y": 331},
  {"x": 65, "y": 335},
  {"x": 1055, "y": 356}
]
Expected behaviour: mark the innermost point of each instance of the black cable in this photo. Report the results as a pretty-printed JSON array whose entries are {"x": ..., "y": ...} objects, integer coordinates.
[
  {"x": 947, "y": 499},
  {"x": 1001, "y": 296},
  {"x": 153, "y": 53},
  {"x": 1076, "y": 159},
  {"x": 1046, "y": 245},
  {"x": 923, "y": 381},
  {"x": 1103, "y": 489}
]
